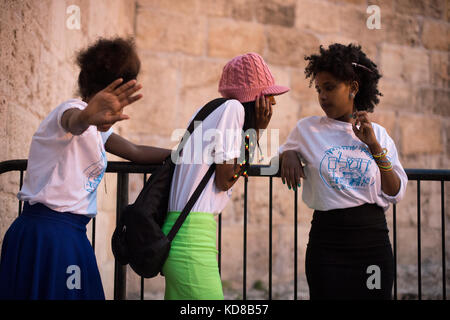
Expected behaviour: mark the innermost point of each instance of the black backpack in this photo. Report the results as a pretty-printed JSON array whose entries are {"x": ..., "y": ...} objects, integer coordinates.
[{"x": 138, "y": 239}]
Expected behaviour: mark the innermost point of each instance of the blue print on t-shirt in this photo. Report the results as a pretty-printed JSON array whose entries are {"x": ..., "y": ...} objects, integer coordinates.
[
  {"x": 94, "y": 173},
  {"x": 345, "y": 167}
]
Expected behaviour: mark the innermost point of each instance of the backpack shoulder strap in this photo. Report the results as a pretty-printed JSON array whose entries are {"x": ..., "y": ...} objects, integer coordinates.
[
  {"x": 205, "y": 111},
  {"x": 201, "y": 115},
  {"x": 183, "y": 215}
]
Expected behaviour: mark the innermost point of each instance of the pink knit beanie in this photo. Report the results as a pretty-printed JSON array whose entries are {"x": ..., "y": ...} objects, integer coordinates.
[{"x": 247, "y": 76}]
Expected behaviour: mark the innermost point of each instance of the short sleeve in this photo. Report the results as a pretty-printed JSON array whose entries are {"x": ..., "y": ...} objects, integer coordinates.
[
  {"x": 70, "y": 104},
  {"x": 229, "y": 132},
  {"x": 397, "y": 167},
  {"x": 105, "y": 135},
  {"x": 292, "y": 142}
]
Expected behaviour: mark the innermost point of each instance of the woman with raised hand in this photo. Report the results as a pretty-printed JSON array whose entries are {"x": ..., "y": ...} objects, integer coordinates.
[{"x": 46, "y": 253}]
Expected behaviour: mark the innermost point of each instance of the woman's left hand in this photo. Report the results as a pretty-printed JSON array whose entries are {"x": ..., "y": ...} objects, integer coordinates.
[{"x": 365, "y": 132}]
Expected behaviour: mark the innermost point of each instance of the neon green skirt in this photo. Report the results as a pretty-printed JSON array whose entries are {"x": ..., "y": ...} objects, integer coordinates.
[{"x": 191, "y": 271}]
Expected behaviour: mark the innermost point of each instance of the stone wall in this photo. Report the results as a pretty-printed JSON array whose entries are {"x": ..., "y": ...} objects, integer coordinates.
[
  {"x": 183, "y": 46},
  {"x": 38, "y": 72}
]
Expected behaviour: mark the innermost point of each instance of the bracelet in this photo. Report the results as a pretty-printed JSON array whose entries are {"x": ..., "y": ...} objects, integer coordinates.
[
  {"x": 385, "y": 168},
  {"x": 381, "y": 154},
  {"x": 378, "y": 161},
  {"x": 244, "y": 165}
]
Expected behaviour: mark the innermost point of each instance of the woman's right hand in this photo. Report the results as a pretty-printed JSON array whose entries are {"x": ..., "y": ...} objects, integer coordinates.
[
  {"x": 291, "y": 169},
  {"x": 105, "y": 107}
]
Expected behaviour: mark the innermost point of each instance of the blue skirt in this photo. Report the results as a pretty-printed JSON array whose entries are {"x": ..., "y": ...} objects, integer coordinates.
[{"x": 47, "y": 255}]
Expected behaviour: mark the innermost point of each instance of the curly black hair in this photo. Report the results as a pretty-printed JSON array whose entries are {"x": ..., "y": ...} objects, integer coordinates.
[
  {"x": 105, "y": 61},
  {"x": 348, "y": 63}
]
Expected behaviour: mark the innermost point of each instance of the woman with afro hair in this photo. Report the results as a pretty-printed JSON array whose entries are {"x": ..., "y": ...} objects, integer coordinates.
[
  {"x": 351, "y": 174},
  {"x": 46, "y": 253}
]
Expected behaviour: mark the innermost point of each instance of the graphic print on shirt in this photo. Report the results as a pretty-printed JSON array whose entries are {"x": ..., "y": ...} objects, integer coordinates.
[
  {"x": 94, "y": 173},
  {"x": 345, "y": 167}
]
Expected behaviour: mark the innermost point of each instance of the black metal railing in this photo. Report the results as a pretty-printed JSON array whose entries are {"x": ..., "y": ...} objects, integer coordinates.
[{"x": 123, "y": 169}]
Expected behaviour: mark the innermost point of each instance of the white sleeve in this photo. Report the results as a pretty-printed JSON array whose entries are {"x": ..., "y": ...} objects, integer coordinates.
[
  {"x": 292, "y": 142},
  {"x": 229, "y": 129},
  {"x": 70, "y": 104},
  {"x": 105, "y": 135},
  {"x": 397, "y": 167}
]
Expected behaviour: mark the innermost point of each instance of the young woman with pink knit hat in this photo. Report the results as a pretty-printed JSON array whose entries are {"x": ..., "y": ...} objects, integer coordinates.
[{"x": 191, "y": 270}]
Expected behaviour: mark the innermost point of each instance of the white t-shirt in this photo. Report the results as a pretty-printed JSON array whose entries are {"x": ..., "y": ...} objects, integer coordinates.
[
  {"x": 228, "y": 119},
  {"x": 339, "y": 168},
  {"x": 64, "y": 170}
]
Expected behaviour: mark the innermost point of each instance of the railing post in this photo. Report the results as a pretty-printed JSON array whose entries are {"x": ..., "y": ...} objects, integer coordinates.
[
  {"x": 120, "y": 272},
  {"x": 244, "y": 280},
  {"x": 444, "y": 278}
]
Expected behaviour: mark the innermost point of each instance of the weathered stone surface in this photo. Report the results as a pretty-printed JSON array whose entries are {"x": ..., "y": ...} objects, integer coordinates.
[
  {"x": 185, "y": 7},
  {"x": 400, "y": 29},
  {"x": 159, "y": 77},
  {"x": 166, "y": 32},
  {"x": 317, "y": 16},
  {"x": 396, "y": 95},
  {"x": 227, "y": 39},
  {"x": 435, "y": 35},
  {"x": 433, "y": 101},
  {"x": 410, "y": 65},
  {"x": 426, "y": 140},
  {"x": 386, "y": 119},
  {"x": 243, "y": 9},
  {"x": 277, "y": 12},
  {"x": 440, "y": 67},
  {"x": 288, "y": 46},
  {"x": 430, "y": 8}
]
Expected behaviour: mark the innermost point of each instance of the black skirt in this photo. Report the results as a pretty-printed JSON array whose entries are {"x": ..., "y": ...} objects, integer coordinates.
[{"x": 349, "y": 255}]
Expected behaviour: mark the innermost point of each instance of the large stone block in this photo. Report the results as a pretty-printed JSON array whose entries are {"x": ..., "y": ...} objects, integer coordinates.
[
  {"x": 287, "y": 46},
  {"x": 228, "y": 38},
  {"x": 447, "y": 162},
  {"x": 166, "y": 32},
  {"x": 301, "y": 87},
  {"x": 432, "y": 101},
  {"x": 277, "y": 12},
  {"x": 159, "y": 78},
  {"x": 216, "y": 8},
  {"x": 322, "y": 17},
  {"x": 429, "y": 8},
  {"x": 396, "y": 95},
  {"x": 401, "y": 29},
  {"x": 386, "y": 119},
  {"x": 200, "y": 72},
  {"x": 426, "y": 140},
  {"x": 411, "y": 65},
  {"x": 440, "y": 67},
  {"x": 245, "y": 10},
  {"x": 185, "y": 7},
  {"x": 353, "y": 23},
  {"x": 435, "y": 35},
  {"x": 354, "y": 2},
  {"x": 21, "y": 127}
]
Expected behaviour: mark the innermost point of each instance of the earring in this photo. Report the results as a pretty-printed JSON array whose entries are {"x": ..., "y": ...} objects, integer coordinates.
[{"x": 352, "y": 95}]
